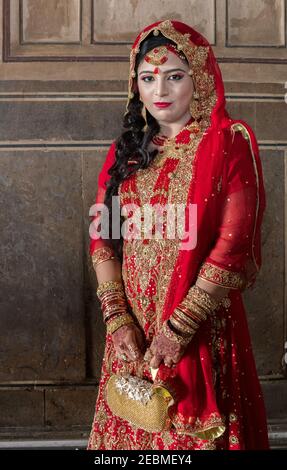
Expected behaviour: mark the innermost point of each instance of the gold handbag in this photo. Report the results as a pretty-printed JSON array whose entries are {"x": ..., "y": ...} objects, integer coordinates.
[{"x": 142, "y": 403}]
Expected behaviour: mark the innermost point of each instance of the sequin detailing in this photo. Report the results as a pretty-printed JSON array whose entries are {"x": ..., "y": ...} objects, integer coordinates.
[
  {"x": 135, "y": 388},
  {"x": 149, "y": 263},
  {"x": 222, "y": 277}
]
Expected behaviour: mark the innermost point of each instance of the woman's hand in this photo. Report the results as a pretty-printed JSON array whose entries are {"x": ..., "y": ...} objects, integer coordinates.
[
  {"x": 164, "y": 349},
  {"x": 128, "y": 341}
]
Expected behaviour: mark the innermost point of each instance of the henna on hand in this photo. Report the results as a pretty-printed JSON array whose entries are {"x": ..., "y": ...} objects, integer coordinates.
[
  {"x": 128, "y": 341},
  {"x": 164, "y": 349}
]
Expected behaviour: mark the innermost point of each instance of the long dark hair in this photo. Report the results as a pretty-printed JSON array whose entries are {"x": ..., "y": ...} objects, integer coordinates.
[{"x": 133, "y": 143}]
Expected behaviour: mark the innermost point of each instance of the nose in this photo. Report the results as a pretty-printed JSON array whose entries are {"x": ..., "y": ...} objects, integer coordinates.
[{"x": 160, "y": 89}]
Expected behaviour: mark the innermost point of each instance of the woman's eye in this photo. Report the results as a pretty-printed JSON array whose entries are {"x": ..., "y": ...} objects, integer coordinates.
[
  {"x": 176, "y": 76},
  {"x": 179, "y": 77},
  {"x": 144, "y": 78}
]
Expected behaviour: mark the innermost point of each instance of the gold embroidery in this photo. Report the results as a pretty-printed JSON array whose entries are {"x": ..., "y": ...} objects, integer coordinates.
[
  {"x": 221, "y": 276},
  {"x": 102, "y": 254},
  {"x": 233, "y": 417},
  {"x": 211, "y": 428},
  {"x": 233, "y": 440},
  {"x": 95, "y": 440},
  {"x": 147, "y": 263}
]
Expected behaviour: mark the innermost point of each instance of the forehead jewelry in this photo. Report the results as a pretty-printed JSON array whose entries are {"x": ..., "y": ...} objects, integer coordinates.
[{"x": 159, "y": 55}]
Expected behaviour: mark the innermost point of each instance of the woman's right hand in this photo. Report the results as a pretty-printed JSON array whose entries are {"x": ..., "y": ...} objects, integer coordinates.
[{"x": 129, "y": 343}]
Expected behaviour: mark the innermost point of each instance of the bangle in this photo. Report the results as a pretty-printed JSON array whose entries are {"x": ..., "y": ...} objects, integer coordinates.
[
  {"x": 181, "y": 317},
  {"x": 114, "y": 324},
  {"x": 107, "y": 286},
  {"x": 114, "y": 305},
  {"x": 102, "y": 254},
  {"x": 173, "y": 336},
  {"x": 194, "y": 309}
]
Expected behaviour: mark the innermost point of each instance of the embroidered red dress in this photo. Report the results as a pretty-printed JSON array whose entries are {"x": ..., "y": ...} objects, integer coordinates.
[{"x": 217, "y": 167}]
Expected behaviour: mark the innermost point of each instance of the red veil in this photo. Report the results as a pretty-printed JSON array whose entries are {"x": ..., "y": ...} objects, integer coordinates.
[{"x": 220, "y": 395}]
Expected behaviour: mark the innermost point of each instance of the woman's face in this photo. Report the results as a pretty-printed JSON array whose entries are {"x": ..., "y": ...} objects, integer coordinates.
[{"x": 168, "y": 82}]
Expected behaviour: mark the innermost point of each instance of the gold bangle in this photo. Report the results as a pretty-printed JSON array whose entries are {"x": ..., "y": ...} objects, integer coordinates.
[
  {"x": 104, "y": 253},
  {"x": 113, "y": 315},
  {"x": 115, "y": 309},
  {"x": 203, "y": 298},
  {"x": 187, "y": 319},
  {"x": 117, "y": 323},
  {"x": 181, "y": 327},
  {"x": 196, "y": 312},
  {"x": 109, "y": 286},
  {"x": 173, "y": 336},
  {"x": 194, "y": 309}
]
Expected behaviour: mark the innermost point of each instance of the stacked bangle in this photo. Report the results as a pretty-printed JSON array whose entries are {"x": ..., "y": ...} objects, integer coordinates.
[
  {"x": 177, "y": 336},
  {"x": 113, "y": 304},
  {"x": 194, "y": 309}
]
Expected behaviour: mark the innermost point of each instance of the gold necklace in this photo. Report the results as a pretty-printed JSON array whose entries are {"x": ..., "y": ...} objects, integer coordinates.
[{"x": 171, "y": 148}]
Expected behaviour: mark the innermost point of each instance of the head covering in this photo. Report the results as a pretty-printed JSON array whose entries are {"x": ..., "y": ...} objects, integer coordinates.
[{"x": 206, "y": 73}]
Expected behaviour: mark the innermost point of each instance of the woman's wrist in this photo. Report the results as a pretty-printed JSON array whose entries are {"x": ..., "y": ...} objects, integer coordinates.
[
  {"x": 175, "y": 335},
  {"x": 105, "y": 253},
  {"x": 194, "y": 309},
  {"x": 114, "y": 305},
  {"x": 116, "y": 323}
]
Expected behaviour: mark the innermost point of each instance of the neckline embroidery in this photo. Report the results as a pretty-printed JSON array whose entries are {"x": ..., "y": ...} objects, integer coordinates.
[{"x": 162, "y": 140}]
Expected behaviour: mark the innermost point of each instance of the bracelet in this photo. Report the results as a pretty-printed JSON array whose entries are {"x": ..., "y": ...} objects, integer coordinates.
[
  {"x": 194, "y": 309},
  {"x": 114, "y": 305},
  {"x": 114, "y": 325},
  {"x": 182, "y": 318},
  {"x": 102, "y": 254},
  {"x": 109, "y": 286},
  {"x": 203, "y": 298},
  {"x": 173, "y": 336}
]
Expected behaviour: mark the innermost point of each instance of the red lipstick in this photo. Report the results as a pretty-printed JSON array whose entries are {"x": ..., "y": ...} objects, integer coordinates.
[{"x": 162, "y": 104}]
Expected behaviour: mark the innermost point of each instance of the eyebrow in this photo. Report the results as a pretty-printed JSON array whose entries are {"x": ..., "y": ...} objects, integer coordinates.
[{"x": 167, "y": 71}]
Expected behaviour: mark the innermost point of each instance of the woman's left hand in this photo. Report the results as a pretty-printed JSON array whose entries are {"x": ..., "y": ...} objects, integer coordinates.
[{"x": 163, "y": 349}]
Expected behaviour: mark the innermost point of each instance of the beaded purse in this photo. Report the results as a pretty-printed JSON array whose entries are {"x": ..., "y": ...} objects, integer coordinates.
[{"x": 144, "y": 404}]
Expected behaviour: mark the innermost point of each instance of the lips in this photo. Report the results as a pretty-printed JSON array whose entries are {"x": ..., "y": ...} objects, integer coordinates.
[{"x": 162, "y": 104}]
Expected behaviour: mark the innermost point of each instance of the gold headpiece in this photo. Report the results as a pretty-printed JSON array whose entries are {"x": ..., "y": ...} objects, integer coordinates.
[
  {"x": 196, "y": 57},
  {"x": 159, "y": 55}
]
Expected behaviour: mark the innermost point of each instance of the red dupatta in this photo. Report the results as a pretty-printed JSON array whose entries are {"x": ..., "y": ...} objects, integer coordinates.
[{"x": 227, "y": 187}]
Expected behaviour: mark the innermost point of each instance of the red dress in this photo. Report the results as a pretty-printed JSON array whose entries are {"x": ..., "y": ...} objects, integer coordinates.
[{"x": 217, "y": 167}]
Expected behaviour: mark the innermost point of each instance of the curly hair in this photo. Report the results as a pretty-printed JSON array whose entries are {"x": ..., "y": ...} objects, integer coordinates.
[{"x": 133, "y": 143}]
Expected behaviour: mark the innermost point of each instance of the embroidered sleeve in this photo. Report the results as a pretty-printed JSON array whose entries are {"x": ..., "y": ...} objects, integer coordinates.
[{"x": 230, "y": 262}]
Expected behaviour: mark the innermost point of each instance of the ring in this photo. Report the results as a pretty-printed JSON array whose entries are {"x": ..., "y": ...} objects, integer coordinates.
[{"x": 123, "y": 357}]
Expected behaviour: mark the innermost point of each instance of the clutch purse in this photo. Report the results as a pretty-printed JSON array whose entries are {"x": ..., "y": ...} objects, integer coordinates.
[{"x": 142, "y": 403}]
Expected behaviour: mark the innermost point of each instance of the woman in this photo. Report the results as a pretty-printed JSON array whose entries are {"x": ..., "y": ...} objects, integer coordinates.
[{"x": 171, "y": 303}]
